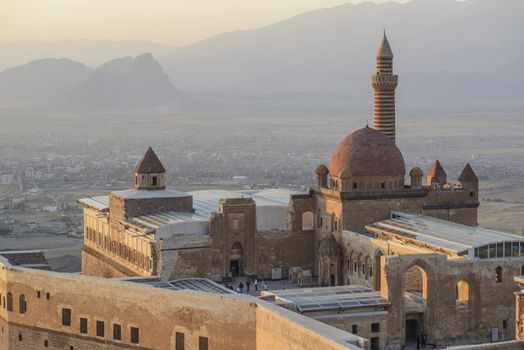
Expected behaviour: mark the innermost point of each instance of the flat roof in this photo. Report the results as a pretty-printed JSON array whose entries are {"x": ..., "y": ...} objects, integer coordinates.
[
  {"x": 148, "y": 194},
  {"x": 440, "y": 233},
  {"x": 329, "y": 298},
  {"x": 99, "y": 202}
]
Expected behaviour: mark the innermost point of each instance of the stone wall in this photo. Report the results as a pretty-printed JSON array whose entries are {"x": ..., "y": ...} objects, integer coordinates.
[
  {"x": 445, "y": 319},
  {"x": 227, "y": 321}
]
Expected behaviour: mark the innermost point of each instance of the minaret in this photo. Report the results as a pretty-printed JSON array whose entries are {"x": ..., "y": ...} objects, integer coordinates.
[{"x": 384, "y": 83}]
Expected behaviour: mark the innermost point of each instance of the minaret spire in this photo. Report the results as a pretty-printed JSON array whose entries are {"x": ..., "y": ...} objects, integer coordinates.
[{"x": 384, "y": 84}]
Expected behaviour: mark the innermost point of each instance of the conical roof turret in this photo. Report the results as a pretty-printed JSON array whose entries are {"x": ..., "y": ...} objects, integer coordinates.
[
  {"x": 468, "y": 175},
  {"x": 150, "y": 164},
  {"x": 384, "y": 50}
]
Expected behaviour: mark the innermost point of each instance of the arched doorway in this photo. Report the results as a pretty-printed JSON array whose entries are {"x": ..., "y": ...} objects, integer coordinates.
[
  {"x": 415, "y": 292},
  {"x": 235, "y": 259}
]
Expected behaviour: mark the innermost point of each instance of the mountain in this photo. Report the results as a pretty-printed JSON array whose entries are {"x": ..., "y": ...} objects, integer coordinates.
[
  {"x": 61, "y": 84},
  {"x": 124, "y": 83},
  {"x": 460, "y": 56},
  {"x": 90, "y": 52},
  {"x": 41, "y": 81}
]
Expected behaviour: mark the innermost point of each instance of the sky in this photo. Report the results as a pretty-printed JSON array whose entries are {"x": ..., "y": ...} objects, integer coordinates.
[{"x": 172, "y": 22}]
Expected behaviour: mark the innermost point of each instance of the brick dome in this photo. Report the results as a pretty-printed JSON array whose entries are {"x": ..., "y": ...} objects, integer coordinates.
[{"x": 367, "y": 153}]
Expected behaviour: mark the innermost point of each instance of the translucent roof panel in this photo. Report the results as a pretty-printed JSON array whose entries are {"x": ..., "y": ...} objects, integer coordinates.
[
  {"x": 329, "y": 298},
  {"x": 440, "y": 233},
  {"x": 198, "y": 284}
]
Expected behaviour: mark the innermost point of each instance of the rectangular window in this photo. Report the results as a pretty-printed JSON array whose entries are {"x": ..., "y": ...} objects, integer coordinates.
[
  {"x": 354, "y": 329},
  {"x": 370, "y": 271},
  {"x": 202, "y": 343},
  {"x": 100, "y": 329},
  {"x": 179, "y": 345},
  {"x": 355, "y": 185},
  {"x": 153, "y": 180},
  {"x": 515, "y": 249},
  {"x": 83, "y": 325},
  {"x": 375, "y": 327},
  {"x": 135, "y": 335},
  {"x": 483, "y": 252},
  {"x": 500, "y": 250},
  {"x": 66, "y": 317},
  {"x": 38, "y": 294},
  {"x": 492, "y": 251},
  {"x": 507, "y": 249},
  {"x": 235, "y": 225},
  {"x": 117, "y": 332}
]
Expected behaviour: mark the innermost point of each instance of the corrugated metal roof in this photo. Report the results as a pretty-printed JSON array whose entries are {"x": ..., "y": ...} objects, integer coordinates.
[
  {"x": 441, "y": 233},
  {"x": 329, "y": 298}
]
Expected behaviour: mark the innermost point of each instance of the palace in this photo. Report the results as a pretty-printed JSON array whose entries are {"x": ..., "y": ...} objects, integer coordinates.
[{"x": 411, "y": 248}]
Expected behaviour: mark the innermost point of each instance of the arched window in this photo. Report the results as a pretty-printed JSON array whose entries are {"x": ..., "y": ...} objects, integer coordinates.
[
  {"x": 416, "y": 281},
  {"x": 498, "y": 274},
  {"x": 22, "y": 305},
  {"x": 462, "y": 292},
  {"x": 9, "y": 301},
  {"x": 308, "y": 221}
]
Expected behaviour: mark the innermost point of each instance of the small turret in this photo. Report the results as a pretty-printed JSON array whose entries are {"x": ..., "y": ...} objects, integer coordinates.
[
  {"x": 469, "y": 180},
  {"x": 437, "y": 176},
  {"x": 416, "y": 175},
  {"x": 322, "y": 172},
  {"x": 150, "y": 173}
]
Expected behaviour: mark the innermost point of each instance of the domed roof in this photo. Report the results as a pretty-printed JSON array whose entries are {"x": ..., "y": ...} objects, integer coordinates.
[
  {"x": 367, "y": 152},
  {"x": 322, "y": 170},
  {"x": 329, "y": 247},
  {"x": 416, "y": 172}
]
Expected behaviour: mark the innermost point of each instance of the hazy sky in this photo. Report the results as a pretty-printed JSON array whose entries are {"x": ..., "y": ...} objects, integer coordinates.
[{"x": 163, "y": 21}]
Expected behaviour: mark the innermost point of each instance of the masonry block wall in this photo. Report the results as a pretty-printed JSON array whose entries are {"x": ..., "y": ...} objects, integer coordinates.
[{"x": 55, "y": 305}]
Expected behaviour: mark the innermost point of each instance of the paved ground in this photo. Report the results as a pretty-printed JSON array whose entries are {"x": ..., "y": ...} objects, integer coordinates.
[{"x": 271, "y": 285}]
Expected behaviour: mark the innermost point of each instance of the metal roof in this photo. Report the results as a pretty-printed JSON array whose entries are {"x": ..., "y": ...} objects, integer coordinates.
[
  {"x": 440, "y": 233},
  {"x": 329, "y": 298},
  {"x": 206, "y": 201}
]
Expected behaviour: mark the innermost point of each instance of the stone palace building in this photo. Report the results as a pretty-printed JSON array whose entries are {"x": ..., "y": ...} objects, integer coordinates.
[{"x": 365, "y": 222}]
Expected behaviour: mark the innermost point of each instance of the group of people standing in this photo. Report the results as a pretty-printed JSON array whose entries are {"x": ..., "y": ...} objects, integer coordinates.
[{"x": 245, "y": 286}]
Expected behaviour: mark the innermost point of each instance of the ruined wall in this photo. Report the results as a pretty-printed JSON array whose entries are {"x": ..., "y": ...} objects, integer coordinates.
[
  {"x": 185, "y": 256},
  {"x": 446, "y": 320},
  {"x": 284, "y": 249}
]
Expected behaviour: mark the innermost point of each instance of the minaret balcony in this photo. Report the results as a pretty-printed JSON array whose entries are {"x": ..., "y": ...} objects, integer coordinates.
[{"x": 384, "y": 82}]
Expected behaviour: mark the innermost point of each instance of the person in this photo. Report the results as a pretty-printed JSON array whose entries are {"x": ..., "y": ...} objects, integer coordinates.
[
  {"x": 241, "y": 287},
  {"x": 256, "y": 284},
  {"x": 423, "y": 340},
  {"x": 265, "y": 286},
  {"x": 248, "y": 283}
]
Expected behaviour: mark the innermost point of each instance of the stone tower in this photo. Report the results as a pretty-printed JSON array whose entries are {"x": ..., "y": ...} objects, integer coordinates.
[
  {"x": 150, "y": 174},
  {"x": 384, "y": 84}
]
